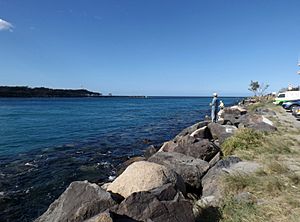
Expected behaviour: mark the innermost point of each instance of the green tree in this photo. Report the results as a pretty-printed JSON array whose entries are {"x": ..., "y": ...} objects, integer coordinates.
[{"x": 254, "y": 86}]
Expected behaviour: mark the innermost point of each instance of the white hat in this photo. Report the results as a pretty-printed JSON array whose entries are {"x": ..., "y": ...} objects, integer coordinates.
[{"x": 215, "y": 94}]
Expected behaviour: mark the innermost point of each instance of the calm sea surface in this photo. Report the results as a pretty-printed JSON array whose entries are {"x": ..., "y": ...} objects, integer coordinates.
[{"x": 47, "y": 143}]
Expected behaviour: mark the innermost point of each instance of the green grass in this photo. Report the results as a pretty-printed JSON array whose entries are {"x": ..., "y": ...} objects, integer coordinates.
[{"x": 244, "y": 139}]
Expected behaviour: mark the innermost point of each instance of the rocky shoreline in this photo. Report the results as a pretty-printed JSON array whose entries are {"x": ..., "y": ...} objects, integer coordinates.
[{"x": 178, "y": 181}]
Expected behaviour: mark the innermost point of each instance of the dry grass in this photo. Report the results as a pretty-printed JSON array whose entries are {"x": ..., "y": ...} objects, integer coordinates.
[{"x": 275, "y": 187}]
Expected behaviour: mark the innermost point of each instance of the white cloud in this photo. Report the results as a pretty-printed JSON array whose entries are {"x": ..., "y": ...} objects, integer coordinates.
[{"x": 4, "y": 25}]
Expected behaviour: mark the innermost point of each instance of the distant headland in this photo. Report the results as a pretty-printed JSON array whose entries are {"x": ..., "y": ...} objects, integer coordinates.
[{"x": 27, "y": 92}]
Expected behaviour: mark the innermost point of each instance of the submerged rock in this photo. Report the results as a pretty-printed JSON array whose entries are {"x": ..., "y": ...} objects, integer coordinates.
[
  {"x": 80, "y": 201},
  {"x": 144, "y": 176},
  {"x": 189, "y": 168}
]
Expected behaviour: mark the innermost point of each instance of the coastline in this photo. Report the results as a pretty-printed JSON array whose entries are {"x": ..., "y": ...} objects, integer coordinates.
[
  {"x": 29, "y": 175},
  {"x": 204, "y": 184},
  {"x": 198, "y": 128}
]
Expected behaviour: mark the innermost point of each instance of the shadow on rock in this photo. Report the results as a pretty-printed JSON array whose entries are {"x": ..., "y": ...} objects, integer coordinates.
[{"x": 210, "y": 214}]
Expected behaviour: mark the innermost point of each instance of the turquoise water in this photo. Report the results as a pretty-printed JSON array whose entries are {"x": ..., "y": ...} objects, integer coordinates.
[{"x": 47, "y": 143}]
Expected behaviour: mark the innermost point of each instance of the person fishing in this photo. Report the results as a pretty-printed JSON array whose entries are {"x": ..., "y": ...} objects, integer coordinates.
[{"x": 214, "y": 107}]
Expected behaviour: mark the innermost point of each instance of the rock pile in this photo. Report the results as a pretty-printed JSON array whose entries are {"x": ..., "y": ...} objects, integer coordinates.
[{"x": 157, "y": 187}]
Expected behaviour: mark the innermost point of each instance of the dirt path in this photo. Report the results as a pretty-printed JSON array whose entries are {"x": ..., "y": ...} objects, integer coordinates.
[{"x": 291, "y": 126}]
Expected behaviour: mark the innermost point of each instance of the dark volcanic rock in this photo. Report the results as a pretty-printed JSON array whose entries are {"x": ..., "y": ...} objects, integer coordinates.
[
  {"x": 189, "y": 168},
  {"x": 221, "y": 132},
  {"x": 202, "y": 133},
  {"x": 108, "y": 216},
  {"x": 197, "y": 148},
  {"x": 190, "y": 130},
  {"x": 230, "y": 115},
  {"x": 80, "y": 201},
  {"x": 146, "y": 206},
  {"x": 231, "y": 119}
]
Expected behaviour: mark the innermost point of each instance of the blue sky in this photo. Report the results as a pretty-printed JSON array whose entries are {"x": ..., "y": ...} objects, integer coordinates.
[{"x": 150, "y": 47}]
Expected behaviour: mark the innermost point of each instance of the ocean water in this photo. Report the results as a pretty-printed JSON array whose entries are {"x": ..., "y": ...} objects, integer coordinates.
[{"x": 46, "y": 143}]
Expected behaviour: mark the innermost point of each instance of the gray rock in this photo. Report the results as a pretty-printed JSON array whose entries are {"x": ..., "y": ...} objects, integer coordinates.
[
  {"x": 221, "y": 132},
  {"x": 236, "y": 110},
  {"x": 265, "y": 111},
  {"x": 211, "y": 182},
  {"x": 231, "y": 119},
  {"x": 128, "y": 162},
  {"x": 245, "y": 197},
  {"x": 151, "y": 150},
  {"x": 108, "y": 216},
  {"x": 213, "y": 190},
  {"x": 80, "y": 201},
  {"x": 202, "y": 133},
  {"x": 146, "y": 206},
  {"x": 189, "y": 168},
  {"x": 230, "y": 115},
  {"x": 215, "y": 159},
  {"x": 190, "y": 130},
  {"x": 243, "y": 167},
  {"x": 197, "y": 148},
  {"x": 102, "y": 217},
  {"x": 168, "y": 146},
  {"x": 145, "y": 176},
  {"x": 256, "y": 122}
]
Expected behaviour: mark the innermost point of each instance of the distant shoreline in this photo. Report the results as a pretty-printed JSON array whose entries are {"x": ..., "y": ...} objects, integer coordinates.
[{"x": 42, "y": 92}]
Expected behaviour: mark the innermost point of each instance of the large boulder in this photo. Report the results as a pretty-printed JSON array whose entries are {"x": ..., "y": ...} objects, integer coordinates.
[
  {"x": 189, "y": 145},
  {"x": 168, "y": 146},
  {"x": 221, "y": 132},
  {"x": 144, "y": 176},
  {"x": 197, "y": 148},
  {"x": 256, "y": 122},
  {"x": 189, "y": 168},
  {"x": 128, "y": 162},
  {"x": 202, "y": 133},
  {"x": 230, "y": 115},
  {"x": 213, "y": 191},
  {"x": 189, "y": 130},
  {"x": 156, "y": 206},
  {"x": 231, "y": 119},
  {"x": 80, "y": 201}
]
